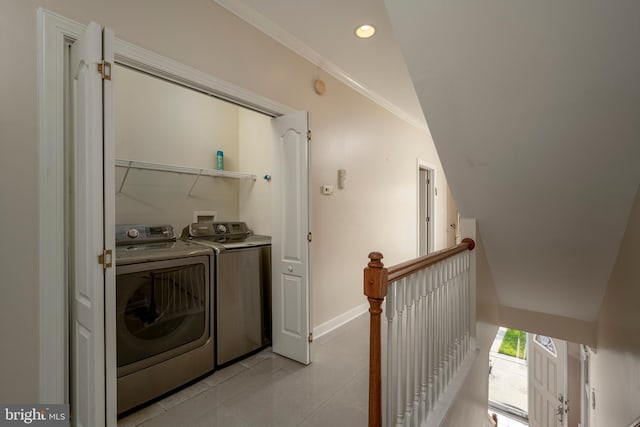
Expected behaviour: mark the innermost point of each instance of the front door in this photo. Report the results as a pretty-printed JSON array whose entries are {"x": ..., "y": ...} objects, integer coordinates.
[
  {"x": 290, "y": 240},
  {"x": 87, "y": 277},
  {"x": 547, "y": 381}
]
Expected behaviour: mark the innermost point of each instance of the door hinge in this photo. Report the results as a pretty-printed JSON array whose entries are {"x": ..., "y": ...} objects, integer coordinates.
[
  {"x": 104, "y": 68},
  {"x": 309, "y": 236},
  {"x": 310, "y": 338},
  {"x": 106, "y": 258},
  {"x": 308, "y": 136}
]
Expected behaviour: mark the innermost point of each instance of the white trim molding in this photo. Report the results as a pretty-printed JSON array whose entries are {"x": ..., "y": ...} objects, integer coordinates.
[
  {"x": 340, "y": 320},
  {"x": 54, "y": 31},
  {"x": 273, "y": 30},
  {"x": 150, "y": 62}
]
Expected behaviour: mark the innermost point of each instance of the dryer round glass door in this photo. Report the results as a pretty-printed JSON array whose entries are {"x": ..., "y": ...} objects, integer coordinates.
[{"x": 162, "y": 309}]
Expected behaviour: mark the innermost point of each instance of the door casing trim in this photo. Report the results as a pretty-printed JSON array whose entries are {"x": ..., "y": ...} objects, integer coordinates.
[{"x": 54, "y": 32}]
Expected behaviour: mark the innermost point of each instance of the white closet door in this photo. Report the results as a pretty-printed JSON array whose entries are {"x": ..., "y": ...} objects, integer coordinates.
[
  {"x": 290, "y": 245},
  {"x": 87, "y": 275}
]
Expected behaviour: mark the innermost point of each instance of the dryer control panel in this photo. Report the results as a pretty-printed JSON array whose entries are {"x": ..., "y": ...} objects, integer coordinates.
[{"x": 224, "y": 230}]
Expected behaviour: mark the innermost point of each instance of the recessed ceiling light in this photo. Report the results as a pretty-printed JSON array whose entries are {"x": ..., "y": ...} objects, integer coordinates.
[{"x": 365, "y": 31}]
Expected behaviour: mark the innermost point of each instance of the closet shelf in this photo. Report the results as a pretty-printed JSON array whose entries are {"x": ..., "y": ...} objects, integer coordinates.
[{"x": 189, "y": 170}]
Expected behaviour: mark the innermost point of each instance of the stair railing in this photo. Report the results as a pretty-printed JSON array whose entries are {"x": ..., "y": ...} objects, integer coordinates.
[{"x": 428, "y": 331}]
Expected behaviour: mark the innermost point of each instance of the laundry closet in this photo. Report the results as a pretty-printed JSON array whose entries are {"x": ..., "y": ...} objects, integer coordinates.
[
  {"x": 194, "y": 248},
  {"x": 167, "y": 124}
]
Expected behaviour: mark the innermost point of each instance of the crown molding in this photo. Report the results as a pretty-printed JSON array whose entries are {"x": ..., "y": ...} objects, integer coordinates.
[{"x": 276, "y": 32}]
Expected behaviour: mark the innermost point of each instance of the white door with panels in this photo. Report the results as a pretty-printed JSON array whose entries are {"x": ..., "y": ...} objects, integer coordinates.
[
  {"x": 548, "y": 405},
  {"x": 291, "y": 237},
  {"x": 89, "y": 274},
  {"x": 425, "y": 209}
]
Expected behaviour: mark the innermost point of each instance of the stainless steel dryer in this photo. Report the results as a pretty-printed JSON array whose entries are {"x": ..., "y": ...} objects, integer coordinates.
[
  {"x": 164, "y": 321},
  {"x": 243, "y": 286}
]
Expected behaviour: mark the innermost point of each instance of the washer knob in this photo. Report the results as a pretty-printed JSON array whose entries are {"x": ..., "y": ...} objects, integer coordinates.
[
  {"x": 133, "y": 233},
  {"x": 221, "y": 228}
]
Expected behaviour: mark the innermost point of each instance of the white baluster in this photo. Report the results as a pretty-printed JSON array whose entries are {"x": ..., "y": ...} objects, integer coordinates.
[
  {"x": 447, "y": 323},
  {"x": 423, "y": 345},
  {"x": 463, "y": 310},
  {"x": 465, "y": 301},
  {"x": 431, "y": 342},
  {"x": 458, "y": 311},
  {"x": 390, "y": 310},
  {"x": 411, "y": 347},
  {"x": 417, "y": 357},
  {"x": 401, "y": 342},
  {"x": 441, "y": 329},
  {"x": 452, "y": 315},
  {"x": 455, "y": 314}
]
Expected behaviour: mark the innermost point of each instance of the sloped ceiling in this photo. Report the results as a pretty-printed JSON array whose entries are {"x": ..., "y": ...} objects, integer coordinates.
[
  {"x": 534, "y": 108},
  {"x": 323, "y": 32}
]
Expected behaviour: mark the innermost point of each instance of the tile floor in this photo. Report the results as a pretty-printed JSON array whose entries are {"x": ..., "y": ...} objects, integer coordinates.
[{"x": 269, "y": 390}]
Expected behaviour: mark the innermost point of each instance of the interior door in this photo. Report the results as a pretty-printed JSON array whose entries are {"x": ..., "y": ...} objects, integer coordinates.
[
  {"x": 425, "y": 209},
  {"x": 290, "y": 240},
  {"x": 453, "y": 229},
  {"x": 108, "y": 118},
  {"x": 87, "y": 275},
  {"x": 547, "y": 381}
]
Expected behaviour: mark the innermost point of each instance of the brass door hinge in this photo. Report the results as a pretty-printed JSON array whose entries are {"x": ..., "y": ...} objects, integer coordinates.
[
  {"x": 310, "y": 338},
  {"x": 309, "y": 136},
  {"x": 309, "y": 236},
  {"x": 104, "y": 68},
  {"x": 106, "y": 258}
]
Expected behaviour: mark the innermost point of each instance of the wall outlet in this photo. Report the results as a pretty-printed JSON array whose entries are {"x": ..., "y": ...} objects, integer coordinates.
[{"x": 327, "y": 190}]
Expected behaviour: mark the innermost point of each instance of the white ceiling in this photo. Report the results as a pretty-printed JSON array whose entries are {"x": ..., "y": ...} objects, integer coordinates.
[
  {"x": 323, "y": 32},
  {"x": 534, "y": 108}
]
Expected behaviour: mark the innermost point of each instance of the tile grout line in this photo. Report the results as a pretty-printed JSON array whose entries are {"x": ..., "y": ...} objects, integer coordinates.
[{"x": 326, "y": 402}]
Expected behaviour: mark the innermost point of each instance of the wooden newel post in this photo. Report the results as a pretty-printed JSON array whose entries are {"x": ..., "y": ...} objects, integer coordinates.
[{"x": 375, "y": 288}]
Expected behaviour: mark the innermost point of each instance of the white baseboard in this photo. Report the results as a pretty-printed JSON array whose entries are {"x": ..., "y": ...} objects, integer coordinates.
[{"x": 340, "y": 320}]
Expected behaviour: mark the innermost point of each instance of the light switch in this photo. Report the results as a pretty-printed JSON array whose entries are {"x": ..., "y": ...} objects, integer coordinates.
[{"x": 342, "y": 178}]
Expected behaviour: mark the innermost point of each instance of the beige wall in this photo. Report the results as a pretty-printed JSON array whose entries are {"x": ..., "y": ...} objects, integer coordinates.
[
  {"x": 18, "y": 206},
  {"x": 615, "y": 367},
  {"x": 564, "y": 328},
  {"x": 255, "y": 156},
  {"x": 377, "y": 210},
  {"x": 161, "y": 122}
]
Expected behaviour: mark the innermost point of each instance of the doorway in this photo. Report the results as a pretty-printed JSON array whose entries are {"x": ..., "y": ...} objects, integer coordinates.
[
  {"x": 426, "y": 195},
  {"x": 57, "y": 33},
  {"x": 533, "y": 377}
]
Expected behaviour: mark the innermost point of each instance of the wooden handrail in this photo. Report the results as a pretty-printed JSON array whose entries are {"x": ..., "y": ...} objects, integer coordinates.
[
  {"x": 407, "y": 268},
  {"x": 376, "y": 281}
]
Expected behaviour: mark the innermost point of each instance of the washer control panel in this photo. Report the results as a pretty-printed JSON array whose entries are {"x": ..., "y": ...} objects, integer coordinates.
[{"x": 142, "y": 233}]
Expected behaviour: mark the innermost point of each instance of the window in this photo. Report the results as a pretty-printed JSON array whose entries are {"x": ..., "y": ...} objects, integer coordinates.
[{"x": 546, "y": 343}]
